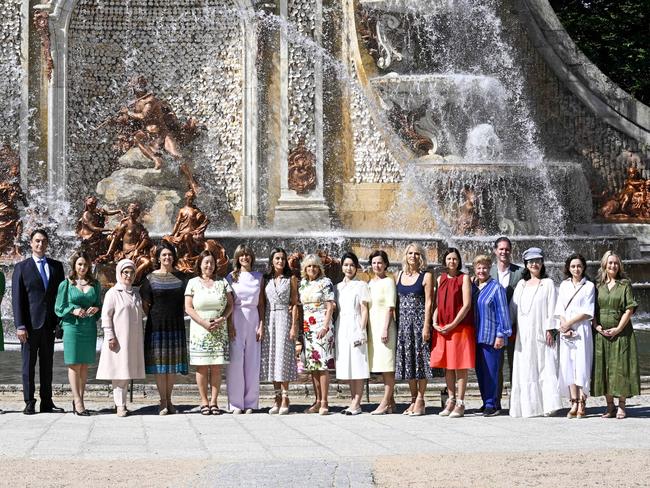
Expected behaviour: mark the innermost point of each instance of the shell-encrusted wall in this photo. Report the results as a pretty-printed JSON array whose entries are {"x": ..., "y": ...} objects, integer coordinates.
[
  {"x": 373, "y": 162},
  {"x": 10, "y": 74},
  {"x": 301, "y": 86},
  {"x": 191, "y": 52}
]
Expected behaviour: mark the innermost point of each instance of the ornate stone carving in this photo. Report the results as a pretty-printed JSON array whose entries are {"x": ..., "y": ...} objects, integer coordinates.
[
  {"x": 387, "y": 52},
  {"x": 374, "y": 31},
  {"x": 12, "y": 75},
  {"x": 42, "y": 26},
  {"x": 302, "y": 170},
  {"x": 10, "y": 195}
]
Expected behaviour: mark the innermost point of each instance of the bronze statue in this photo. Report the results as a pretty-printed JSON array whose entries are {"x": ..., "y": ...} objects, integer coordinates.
[
  {"x": 404, "y": 123},
  {"x": 150, "y": 124},
  {"x": 302, "y": 169},
  {"x": 131, "y": 240},
  {"x": 10, "y": 195},
  {"x": 188, "y": 236},
  {"x": 632, "y": 202},
  {"x": 468, "y": 218},
  {"x": 91, "y": 228}
]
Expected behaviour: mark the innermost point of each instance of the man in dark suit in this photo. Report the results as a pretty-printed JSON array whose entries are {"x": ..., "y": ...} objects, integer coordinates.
[
  {"x": 35, "y": 283},
  {"x": 508, "y": 275}
]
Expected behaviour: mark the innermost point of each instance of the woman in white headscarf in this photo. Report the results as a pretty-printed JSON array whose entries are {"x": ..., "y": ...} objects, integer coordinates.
[{"x": 122, "y": 356}]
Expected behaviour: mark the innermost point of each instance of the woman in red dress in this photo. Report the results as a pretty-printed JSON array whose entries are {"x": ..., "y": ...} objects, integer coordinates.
[{"x": 453, "y": 343}]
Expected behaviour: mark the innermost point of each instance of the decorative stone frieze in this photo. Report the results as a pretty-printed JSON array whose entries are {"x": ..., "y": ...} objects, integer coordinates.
[{"x": 10, "y": 74}]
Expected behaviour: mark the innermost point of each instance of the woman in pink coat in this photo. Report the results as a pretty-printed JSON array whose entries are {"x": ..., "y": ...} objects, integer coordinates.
[{"x": 122, "y": 356}]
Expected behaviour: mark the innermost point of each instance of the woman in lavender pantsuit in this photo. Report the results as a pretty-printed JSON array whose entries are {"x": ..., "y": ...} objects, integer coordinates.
[{"x": 243, "y": 376}]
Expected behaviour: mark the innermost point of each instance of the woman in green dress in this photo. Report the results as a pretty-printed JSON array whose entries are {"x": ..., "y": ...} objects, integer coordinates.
[
  {"x": 78, "y": 303},
  {"x": 616, "y": 362}
]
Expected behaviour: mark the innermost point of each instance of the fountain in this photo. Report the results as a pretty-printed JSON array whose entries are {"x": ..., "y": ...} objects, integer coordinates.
[{"x": 342, "y": 125}]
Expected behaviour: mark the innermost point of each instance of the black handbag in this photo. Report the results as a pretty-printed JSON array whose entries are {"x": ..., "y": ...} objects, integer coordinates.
[{"x": 58, "y": 330}]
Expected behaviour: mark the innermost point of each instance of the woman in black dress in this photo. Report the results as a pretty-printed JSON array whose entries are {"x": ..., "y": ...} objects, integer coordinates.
[{"x": 165, "y": 346}]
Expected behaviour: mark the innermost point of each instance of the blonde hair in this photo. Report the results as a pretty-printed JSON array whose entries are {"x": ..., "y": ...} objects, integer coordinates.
[
  {"x": 601, "y": 278},
  {"x": 311, "y": 259},
  {"x": 422, "y": 266},
  {"x": 482, "y": 259},
  {"x": 241, "y": 250}
]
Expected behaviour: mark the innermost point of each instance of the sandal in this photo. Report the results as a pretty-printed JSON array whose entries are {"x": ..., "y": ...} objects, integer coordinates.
[
  {"x": 419, "y": 408},
  {"x": 205, "y": 410},
  {"x": 459, "y": 411},
  {"x": 574, "y": 409},
  {"x": 620, "y": 414},
  {"x": 313, "y": 408},
  {"x": 609, "y": 413},
  {"x": 449, "y": 407},
  {"x": 582, "y": 407},
  {"x": 214, "y": 410}
]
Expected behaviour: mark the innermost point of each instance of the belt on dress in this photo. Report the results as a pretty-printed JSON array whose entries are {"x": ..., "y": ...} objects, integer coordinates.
[{"x": 279, "y": 307}]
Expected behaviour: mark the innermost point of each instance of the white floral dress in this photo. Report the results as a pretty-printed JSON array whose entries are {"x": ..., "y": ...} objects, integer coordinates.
[{"x": 314, "y": 295}]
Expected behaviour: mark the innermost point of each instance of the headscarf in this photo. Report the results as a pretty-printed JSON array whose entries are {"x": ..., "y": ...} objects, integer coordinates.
[{"x": 119, "y": 281}]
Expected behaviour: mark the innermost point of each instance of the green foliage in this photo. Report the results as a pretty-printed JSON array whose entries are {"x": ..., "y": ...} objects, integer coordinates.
[{"x": 615, "y": 36}]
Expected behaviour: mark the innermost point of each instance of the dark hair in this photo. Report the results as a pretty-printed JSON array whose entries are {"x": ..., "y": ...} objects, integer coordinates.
[
  {"x": 502, "y": 239},
  {"x": 567, "y": 263},
  {"x": 166, "y": 245},
  {"x": 73, "y": 261},
  {"x": 450, "y": 251},
  {"x": 353, "y": 257},
  {"x": 525, "y": 274},
  {"x": 39, "y": 231},
  {"x": 199, "y": 260},
  {"x": 270, "y": 271},
  {"x": 380, "y": 253}
]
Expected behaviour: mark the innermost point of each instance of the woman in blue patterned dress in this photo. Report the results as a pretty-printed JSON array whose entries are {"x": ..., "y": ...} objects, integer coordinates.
[
  {"x": 415, "y": 304},
  {"x": 317, "y": 300},
  {"x": 165, "y": 346}
]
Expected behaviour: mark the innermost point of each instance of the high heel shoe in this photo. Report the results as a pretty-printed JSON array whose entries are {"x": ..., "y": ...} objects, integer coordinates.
[
  {"x": 419, "y": 408},
  {"x": 459, "y": 411},
  {"x": 275, "y": 409},
  {"x": 449, "y": 407},
  {"x": 382, "y": 411},
  {"x": 83, "y": 413},
  {"x": 284, "y": 410},
  {"x": 621, "y": 414},
  {"x": 410, "y": 407},
  {"x": 323, "y": 410},
  {"x": 582, "y": 407}
]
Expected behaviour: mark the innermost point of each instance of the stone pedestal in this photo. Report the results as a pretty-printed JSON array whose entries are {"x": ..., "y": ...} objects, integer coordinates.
[
  {"x": 160, "y": 191},
  {"x": 300, "y": 214}
]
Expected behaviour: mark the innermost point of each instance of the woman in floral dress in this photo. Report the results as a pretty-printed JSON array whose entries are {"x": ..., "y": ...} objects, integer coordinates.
[
  {"x": 317, "y": 300},
  {"x": 208, "y": 302}
]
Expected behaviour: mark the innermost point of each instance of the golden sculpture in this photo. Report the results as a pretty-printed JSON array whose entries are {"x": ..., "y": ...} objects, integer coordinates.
[
  {"x": 150, "y": 124},
  {"x": 131, "y": 240},
  {"x": 632, "y": 202},
  {"x": 468, "y": 219},
  {"x": 188, "y": 236},
  {"x": 302, "y": 169},
  {"x": 10, "y": 195},
  {"x": 91, "y": 228}
]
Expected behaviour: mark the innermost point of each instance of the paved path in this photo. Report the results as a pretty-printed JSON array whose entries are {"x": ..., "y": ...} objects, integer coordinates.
[{"x": 294, "y": 450}]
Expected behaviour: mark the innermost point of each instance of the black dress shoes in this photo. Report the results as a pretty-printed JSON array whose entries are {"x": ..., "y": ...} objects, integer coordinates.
[
  {"x": 49, "y": 407},
  {"x": 30, "y": 408}
]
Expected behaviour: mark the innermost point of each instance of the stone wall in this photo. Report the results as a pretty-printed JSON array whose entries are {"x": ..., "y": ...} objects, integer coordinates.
[
  {"x": 568, "y": 128},
  {"x": 192, "y": 54},
  {"x": 10, "y": 74}
]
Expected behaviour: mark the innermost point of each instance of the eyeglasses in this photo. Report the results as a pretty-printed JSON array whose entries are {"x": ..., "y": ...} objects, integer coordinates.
[{"x": 535, "y": 261}]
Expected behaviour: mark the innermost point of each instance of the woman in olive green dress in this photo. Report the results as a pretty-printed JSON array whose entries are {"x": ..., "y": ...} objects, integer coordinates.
[
  {"x": 616, "y": 362},
  {"x": 78, "y": 303}
]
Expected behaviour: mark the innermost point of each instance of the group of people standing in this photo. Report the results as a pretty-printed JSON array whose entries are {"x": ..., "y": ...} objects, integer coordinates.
[{"x": 401, "y": 327}]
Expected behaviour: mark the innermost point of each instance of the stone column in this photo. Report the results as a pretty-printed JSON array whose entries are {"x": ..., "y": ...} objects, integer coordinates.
[{"x": 301, "y": 205}]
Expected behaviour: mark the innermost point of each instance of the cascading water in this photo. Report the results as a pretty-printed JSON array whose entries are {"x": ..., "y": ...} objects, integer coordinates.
[{"x": 448, "y": 68}]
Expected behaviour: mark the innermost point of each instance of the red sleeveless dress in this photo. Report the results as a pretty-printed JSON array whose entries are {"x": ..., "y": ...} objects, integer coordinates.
[{"x": 456, "y": 350}]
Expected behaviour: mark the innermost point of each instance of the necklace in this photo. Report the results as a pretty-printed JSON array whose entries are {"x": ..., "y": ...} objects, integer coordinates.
[
  {"x": 81, "y": 282},
  {"x": 532, "y": 300}
]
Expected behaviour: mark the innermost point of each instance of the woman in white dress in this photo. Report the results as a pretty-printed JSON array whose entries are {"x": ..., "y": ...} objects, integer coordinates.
[
  {"x": 352, "y": 297},
  {"x": 382, "y": 331},
  {"x": 574, "y": 310},
  {"x": 535, "y": 389}
]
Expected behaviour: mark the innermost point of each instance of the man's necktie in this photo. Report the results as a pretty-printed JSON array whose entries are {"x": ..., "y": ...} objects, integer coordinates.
[{"x": 41, "y": 269}]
